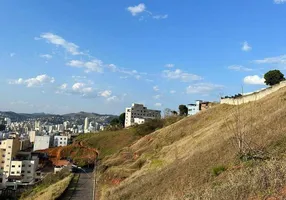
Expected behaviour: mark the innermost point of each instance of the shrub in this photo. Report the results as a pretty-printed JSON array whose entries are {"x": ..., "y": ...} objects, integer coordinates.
[
  {"x": 148, "y": 127},
  {"x": 273, "y": 77},
  {"x": 218, "y": 170}
]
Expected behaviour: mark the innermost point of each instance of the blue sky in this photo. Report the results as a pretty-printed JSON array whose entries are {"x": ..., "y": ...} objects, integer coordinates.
[{"x": 100, "y": 56}]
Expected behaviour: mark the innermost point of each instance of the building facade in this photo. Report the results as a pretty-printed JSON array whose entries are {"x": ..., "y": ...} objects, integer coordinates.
[
  {"x": 197, "y": 107},
  {"x": 139, "y": 111},
  {"x": 41, "y": 142},
  {"x": 60, "y": 141}
]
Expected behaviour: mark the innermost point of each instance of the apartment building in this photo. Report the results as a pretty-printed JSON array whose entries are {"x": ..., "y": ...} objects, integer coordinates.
[
  {"x": 60, "y": 140},
  {"x": 197, "y": 107},
  {"x": 41, "y": 142},
  {"x": 140, "y": 112},
  {"x": 8, "y": 150}
]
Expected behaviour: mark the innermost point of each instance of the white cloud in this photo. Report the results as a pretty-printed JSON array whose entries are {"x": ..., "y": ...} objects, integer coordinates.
[
  {"x": 202, "y": 88},
  {"x": 106, "y": 93},
  {"x": 81, "y": 88},
  {"x": 33, "y": 82},
  {"x": 169, "y": 65},
  {"x": 156, "y": 88},
  {"x": 90, "y": 66},
  {"x": 12, "y": 54},
  {"x": 160, "y": 16},
  {"x": 112, "y": 67},
  {"x": 254, "y": 80},
  {"x": 59, "y": 41},
  {"x": 135, "y": 10},
  {"x": 158, "y": 104},
  {"x": 46, "y": 56},
  {"x": 239, "y": 68},
  {"x": 172, "y": 91},
  {"x": 63, "y": 86},
  {"x": 113, "y": 98},
  {"x": 246, "y": 46},
  {"x": 157, "y": 96},
  {"x": 272, "y": 60},
  {"x": 279, "y": 1},
  {"x": 179, "y": 74}
]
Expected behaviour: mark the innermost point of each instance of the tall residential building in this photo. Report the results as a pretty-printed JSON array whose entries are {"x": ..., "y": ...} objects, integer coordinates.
[
  {"x": 141, "y": 112},
  {"x": 38, "y": 125},
  {"x": 60, "y": 140},
  {"x": 41, "y": 142},
  {"x": 8, "y": 150},
  {"x": 86, "y": 124}
]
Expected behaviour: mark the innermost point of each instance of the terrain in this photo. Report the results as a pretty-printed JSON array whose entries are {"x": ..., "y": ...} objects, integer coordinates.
[
  {"x": 57, "y": 119},
  {"x": 225, "y": 152}
]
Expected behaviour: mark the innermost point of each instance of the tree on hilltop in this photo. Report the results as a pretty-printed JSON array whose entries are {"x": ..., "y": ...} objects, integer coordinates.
[
  {"x": 122, "y": 119},
  {"x": 183, "y": 110},
  {"x": 273, "y": 77}
]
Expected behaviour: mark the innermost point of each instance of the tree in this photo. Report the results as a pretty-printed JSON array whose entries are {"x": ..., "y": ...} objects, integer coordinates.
[
  {"x": 167, "y": 112},
  {"x": 122, "y": 119},
  {"x": 174, "y": 112},
  {"x": 114, "y": 122},
  {"x": 273, "y": 77},
  {"x": 183, "y": 110},
  {"x": 2, "y": 127}
]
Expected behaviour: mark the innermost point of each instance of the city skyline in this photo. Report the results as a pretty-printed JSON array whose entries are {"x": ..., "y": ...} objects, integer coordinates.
[{"x": 65, "y": 57}]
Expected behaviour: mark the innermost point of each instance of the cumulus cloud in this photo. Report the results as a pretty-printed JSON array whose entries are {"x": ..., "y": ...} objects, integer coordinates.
[
  {"x": 246, "y": 46},
  {"x": 59, "y": 41},
  {"x": 46, "y": 56},
  {"x": 89, "y": 66},
  {"x": 82, "y": 88},
  {"x": 158, "y": 104},
  {"x": 156, "y": 88},
  {"x": 37, "y": 81},
  {"x": 169, "y": 65},
  {"x": 63, "y": 86},
  {"x": 180, "y": 75},
  {"x": 279, "y": 1},
  {"x": 254, "y": 80},
  {"x": 203, "y": 88},
  {"x": 272, "y": 60},
  {"x": 135, "y": 10},
  {"x": 105, "y": 93},
  {"x": 239, "y": 68}
]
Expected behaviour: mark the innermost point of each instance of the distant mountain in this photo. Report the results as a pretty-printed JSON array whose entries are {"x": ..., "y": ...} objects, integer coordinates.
[{"x": 78, "y": 117}]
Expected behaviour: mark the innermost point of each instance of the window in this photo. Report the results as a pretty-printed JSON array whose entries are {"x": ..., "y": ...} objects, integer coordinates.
[
  {"x": 9, "y": 152},
  {"x": 28, "y": 172},
  {"x": 22, "y": 171},
  {"x": 13, "y": 165},
  {"x": 3, "y": 155},
  {"x": 19, "y": 165},
  {"x": 23, "y": 165},
  {"x": 30, "y": 165},
  {"x": 65, "y": 138},
  {"x": 18, "y": 172},
  {"x": 12, "y": 172},
  {"x": 3, "y": 161},
  {"x": 61, "y": 138},
  {"x": 9, "y": 146},
  {"x": 60, "y": 142}
]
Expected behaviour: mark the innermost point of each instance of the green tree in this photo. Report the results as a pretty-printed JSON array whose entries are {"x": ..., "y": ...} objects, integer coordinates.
[
  {"x": 2, "y": 127},
  {"x": 114, "y": 122},
  {"x": 273, "y": 77},
  {"x": 122, "y": 119},
  {"x": 183, "y": 110}
]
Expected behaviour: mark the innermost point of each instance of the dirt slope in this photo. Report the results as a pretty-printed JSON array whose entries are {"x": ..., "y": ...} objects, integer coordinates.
[{"x": 174, "y": 161}]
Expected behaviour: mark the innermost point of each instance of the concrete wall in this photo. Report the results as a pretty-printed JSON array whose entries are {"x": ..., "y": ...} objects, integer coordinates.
[{"x": 254, "y": 96}]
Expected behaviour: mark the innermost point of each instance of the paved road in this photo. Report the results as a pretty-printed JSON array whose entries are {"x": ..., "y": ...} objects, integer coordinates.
[{"x": 84, "y": 188}]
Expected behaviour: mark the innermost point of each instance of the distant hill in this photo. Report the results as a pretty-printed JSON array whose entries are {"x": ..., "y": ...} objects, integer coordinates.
[{"x": 80, "y": 116}]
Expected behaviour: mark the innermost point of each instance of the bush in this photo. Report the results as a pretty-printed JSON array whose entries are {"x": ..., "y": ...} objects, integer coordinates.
[
  {"x": 148, "y": 127},
  {"x": 273, "y": 77},
  {"x": 218, "y": 170}
]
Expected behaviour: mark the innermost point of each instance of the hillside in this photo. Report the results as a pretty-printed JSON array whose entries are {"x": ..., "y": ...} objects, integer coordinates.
[{"x": 198, "y": 157}]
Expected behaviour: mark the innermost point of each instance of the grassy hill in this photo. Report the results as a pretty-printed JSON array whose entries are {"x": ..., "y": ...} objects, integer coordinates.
[{"x": 226, "y": 152}]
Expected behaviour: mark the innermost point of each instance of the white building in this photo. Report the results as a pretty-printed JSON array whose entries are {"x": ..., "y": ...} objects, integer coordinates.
[
  {"x": 8, "y": 121},
  {"x": 32, "y": 135},
  {"x": 8, "y": 150},
  {"x": 38, "y": 125},
  {"x": 25, "y": 168},
  {"x": 141, "y": 112},
  {"x": 41, "y": 142},
  {"x": 86, "y": 124},
  {"x": 60, "y": 140},
  {"x": 139, "y": 121}
]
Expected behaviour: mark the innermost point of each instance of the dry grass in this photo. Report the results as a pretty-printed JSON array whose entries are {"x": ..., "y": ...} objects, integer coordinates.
[
  {"x": 185, "y": 153},
  {"x": 53, "y": 191}
]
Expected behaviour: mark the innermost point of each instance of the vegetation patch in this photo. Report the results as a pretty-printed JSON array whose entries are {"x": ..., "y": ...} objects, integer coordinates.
[{"x": 218, "y": 170}]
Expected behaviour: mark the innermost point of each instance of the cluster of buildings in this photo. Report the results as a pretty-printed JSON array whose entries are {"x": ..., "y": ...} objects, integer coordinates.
[
  {"x": 91, "y": 125},
  {"x": 138, "y": 113}
]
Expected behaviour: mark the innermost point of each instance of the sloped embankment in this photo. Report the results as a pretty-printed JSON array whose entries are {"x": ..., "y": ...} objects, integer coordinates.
[{"x": 176, "y": 162}]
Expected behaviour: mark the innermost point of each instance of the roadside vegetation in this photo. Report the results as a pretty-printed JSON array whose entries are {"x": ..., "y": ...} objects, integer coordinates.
[{"x": 51, "y": 187}]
